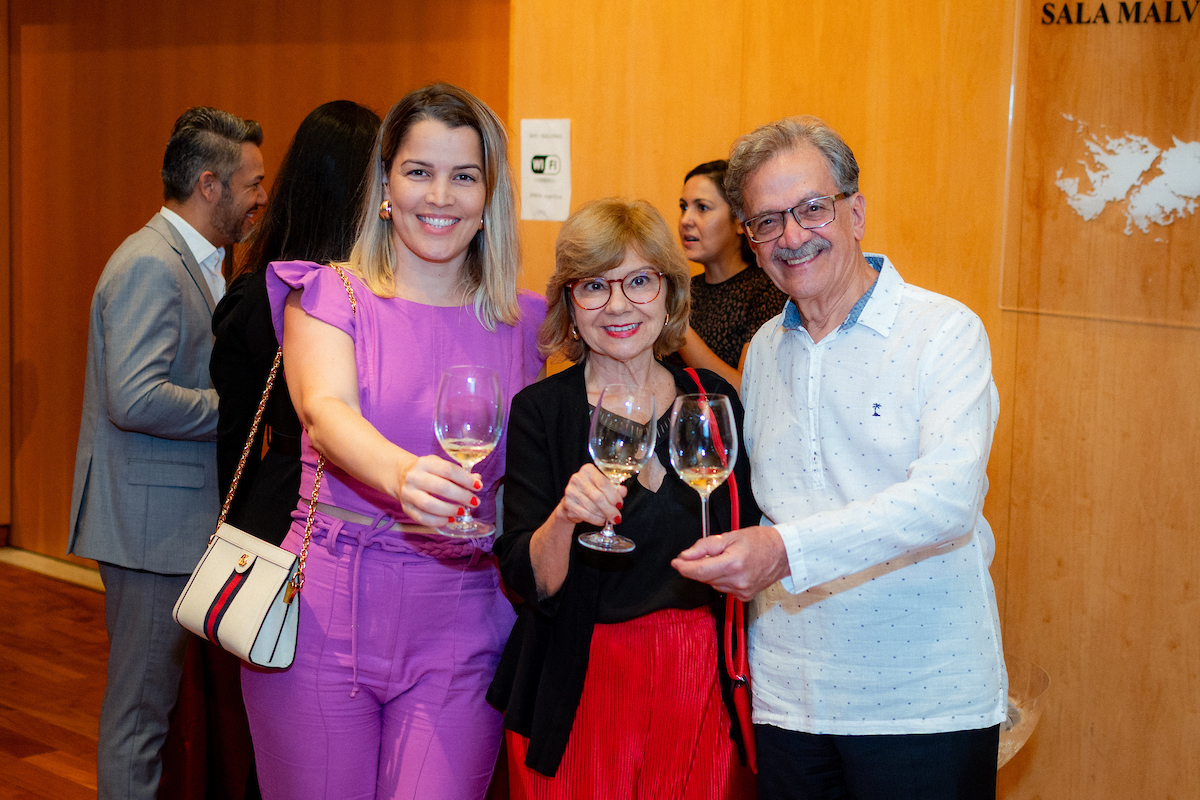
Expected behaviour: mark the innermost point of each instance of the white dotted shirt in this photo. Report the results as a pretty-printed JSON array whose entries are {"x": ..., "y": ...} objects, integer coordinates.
[{"x": 869, "y": 454}]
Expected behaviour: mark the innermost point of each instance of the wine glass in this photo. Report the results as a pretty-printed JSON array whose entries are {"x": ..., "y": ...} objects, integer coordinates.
[
  {"x": 621, "y": 441},
  {"x": 468, "y": 420},
  {"x": 704, "y": 445}
]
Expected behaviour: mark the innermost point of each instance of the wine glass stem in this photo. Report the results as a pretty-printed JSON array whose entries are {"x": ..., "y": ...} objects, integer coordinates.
[
  {"x": 703, "y": 517},
  {"x": 609, "y": 530}
]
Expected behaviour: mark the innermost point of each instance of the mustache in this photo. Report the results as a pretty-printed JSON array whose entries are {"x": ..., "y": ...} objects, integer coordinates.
[{"x": 806, "y": 250}]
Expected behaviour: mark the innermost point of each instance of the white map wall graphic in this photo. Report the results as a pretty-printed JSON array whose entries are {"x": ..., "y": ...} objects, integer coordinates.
[{"x": 1119, "y": 171}]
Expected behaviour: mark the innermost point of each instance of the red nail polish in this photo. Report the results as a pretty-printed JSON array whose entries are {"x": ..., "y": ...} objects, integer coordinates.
[
  {"x": 462, "y": 511},
  {"x": 617, "y": 521},
  {"x": 452, "y": 520},
  {"x": 478, "y": 486},
  {"x": 474, "y": 501},
  {"x": 620, "y": 505}
]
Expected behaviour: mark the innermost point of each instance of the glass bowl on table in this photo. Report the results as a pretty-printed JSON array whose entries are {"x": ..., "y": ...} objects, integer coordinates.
[{"x": 1027, "y": 683}]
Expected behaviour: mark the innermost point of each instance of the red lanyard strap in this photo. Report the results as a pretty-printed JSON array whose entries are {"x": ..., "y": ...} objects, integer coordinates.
[{"x": 735, "y": 613}]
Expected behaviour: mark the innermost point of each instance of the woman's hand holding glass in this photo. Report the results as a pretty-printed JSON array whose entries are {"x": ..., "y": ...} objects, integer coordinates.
[
  {"x": 434, "y": 488},
  {"x": 591, "y": 498},
  {"x": 621, "y": 441},
  {"x": 468, "y": 421}
]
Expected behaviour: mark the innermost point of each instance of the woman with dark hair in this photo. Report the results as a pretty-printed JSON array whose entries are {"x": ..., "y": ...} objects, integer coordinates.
[
  {"x": 310, "y": 215},
  {"x": 611, "y": 684},
  {"x": 400, "y": 627},
  {"x": 732, "y": 297}
]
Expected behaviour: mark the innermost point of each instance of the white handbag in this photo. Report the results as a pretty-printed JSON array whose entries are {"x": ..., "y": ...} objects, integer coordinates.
[
  {"x": 244, "y": 594},
  {"x": 242, "y": 597}
]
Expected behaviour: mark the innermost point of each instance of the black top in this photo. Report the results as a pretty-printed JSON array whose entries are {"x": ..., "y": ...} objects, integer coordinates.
[
  {"x": 242, "y": 353},
  {"x": 726, "y": 315},
  {"x": 541, "y": 674}
]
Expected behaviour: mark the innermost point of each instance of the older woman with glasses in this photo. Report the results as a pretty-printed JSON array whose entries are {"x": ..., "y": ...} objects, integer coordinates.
[{"x": 611, "y": 683}]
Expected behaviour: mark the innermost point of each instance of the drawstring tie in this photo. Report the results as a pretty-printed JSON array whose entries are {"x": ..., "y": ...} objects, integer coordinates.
[{"x": 366, "y": 538}]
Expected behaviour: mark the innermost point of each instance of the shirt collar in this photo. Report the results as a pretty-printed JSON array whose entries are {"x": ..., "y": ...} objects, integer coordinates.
[
  {"x": 792, "y": 319},
  {"x": 202, "y": 249},
  {"x": 880, "y": 313}
]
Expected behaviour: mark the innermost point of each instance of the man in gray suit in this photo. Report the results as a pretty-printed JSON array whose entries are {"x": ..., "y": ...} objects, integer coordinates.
[{"x": 145, "y": 499}]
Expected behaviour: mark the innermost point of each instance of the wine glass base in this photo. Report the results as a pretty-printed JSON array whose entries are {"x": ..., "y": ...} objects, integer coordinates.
[
  {"x": 471, "y": 529},
  {"x": 606, "y": 543}
]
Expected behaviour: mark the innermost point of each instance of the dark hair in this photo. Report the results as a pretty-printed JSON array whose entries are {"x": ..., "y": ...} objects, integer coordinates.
[
  {"x": 312, "y": 210},
  {"x": 204, "y": 140},
  {"x": 715, "y": 172}
]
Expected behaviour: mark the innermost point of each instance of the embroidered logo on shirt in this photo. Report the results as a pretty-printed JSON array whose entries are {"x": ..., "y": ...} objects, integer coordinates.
[{"x": 876, "y": 407}]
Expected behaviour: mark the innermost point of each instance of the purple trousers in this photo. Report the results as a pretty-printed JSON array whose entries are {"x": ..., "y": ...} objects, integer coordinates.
[{"x": 385, "y": 699}]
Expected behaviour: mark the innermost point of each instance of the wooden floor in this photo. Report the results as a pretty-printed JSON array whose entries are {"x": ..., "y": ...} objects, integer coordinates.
[{"x": 53, "y": 650}]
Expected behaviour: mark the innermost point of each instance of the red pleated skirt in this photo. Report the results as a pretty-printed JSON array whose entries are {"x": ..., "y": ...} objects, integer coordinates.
[{"x": 650, "y": 724}]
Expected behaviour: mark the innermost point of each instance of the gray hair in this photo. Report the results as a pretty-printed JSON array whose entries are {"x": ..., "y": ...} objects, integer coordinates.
[
  {"x": 752, "y": 151},
  {"x": 204, "y": 140}
]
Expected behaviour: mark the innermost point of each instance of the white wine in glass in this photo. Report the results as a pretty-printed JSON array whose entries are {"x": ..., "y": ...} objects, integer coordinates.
[
  {"x": 621, "y": 441},
  {"x": 704, "y": 445},
  {"x": 468, "y": 452},
  {"x": 468, "y": 421}
]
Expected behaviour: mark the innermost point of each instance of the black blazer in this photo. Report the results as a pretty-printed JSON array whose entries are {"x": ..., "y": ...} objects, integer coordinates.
[
  {"x": 541, "y": 673},
  {"x": 243, "y": 350}
]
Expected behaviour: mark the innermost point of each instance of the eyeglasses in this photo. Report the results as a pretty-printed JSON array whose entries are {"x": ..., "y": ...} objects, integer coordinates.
[
  {"x": 813, "y": 213},
  {"x": 591, "y": 294}
]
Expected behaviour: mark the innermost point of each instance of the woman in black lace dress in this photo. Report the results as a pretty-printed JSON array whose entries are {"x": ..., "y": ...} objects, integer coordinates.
[{"x": 732, "y": 298}]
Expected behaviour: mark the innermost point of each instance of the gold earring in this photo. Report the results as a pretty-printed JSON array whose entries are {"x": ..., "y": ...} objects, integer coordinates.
[
  {"x": 574, "y": 332},
  {"x": 385, "y": 210},
  {"x": 667, "y": 321}
]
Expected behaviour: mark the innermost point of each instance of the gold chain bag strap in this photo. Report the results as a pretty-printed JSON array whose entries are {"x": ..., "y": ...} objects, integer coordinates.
[{"x": 243, "y": 593}]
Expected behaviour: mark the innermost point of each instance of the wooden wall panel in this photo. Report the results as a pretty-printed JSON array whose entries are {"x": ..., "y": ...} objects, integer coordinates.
[
  {"x": 652, "y": 90},
  {"x": 920, "y": 92},
  {"x": 1114, "y": 81},
  {"x": 1102, "y": 558},
  {"x": 96, "y": 88},
  {"x": 1106, "y": 450},
  {"x": 5, "y": 297}
]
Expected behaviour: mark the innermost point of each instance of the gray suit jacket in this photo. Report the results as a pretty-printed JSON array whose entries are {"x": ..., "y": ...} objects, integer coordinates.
[{"x": 145, "y": 491}]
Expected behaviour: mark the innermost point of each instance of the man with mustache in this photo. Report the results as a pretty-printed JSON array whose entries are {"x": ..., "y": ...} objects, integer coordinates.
[
  {"x": 145, "y": 494},
  {"x": 875, "y": 643}
]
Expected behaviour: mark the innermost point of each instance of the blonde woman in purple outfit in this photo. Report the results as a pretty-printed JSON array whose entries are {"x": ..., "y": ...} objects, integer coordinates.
[{"x": 400, "y": 628}]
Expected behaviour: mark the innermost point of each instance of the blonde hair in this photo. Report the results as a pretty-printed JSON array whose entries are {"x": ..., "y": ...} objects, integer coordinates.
[
  {"x": 493, "y": 256},
  {"x": 592, "y": 241}
]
